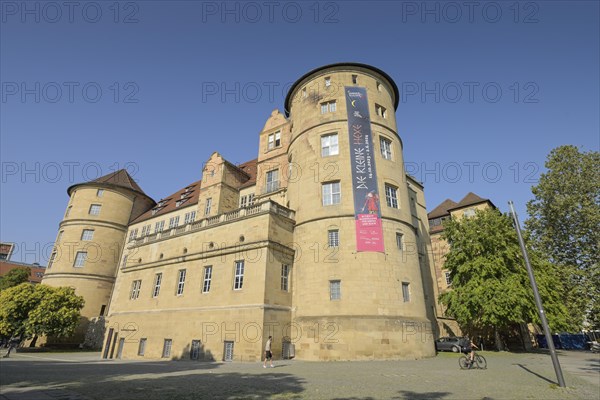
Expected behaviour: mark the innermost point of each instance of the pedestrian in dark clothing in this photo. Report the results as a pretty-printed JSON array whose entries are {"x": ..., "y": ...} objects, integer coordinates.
[{"x": 12, "y": 344}]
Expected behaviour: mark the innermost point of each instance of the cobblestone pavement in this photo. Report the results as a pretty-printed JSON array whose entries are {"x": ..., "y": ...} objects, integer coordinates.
[{"x": 83, "y": 376}]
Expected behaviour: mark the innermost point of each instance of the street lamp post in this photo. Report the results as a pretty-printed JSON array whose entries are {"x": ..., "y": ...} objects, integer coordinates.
[{"x": 538, "y": 301}]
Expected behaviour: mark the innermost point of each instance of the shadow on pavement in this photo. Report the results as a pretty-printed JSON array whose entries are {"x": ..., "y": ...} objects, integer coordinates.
[
  {"x": 406, "y": 395},
  {"x": 148, "y": 381},
  {"x": 536, "y": 374}
]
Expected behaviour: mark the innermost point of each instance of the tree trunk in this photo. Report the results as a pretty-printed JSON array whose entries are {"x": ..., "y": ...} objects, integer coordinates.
[{"x": 499, "y": 345}]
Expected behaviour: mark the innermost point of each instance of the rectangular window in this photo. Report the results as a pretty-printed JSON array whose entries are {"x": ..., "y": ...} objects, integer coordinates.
[
  {"x": 135, "y": 289},
  {"x": 239, "y": 275},
  {"x": 87, "y": 234},
  {"x": 332, "y": 193},
  {"x": 157, "y": 282},
  {"x": 102, "y": 310},
  {"x": 469, "y": 212},
  {"x": 174, "y": 222},
  {"x": 335, "y": 290},
  {"x": 167, "y": 348},
  {"x": 180, "y": 282},
  {"x": 68, "y": 211},
  {"x": 95, "y": 209},
  {"x": 51, "y": 260},
  {"x": 381, "y": 111},
  {"x": 329, "y": 145},
  {"x": 328, "y": 81},
  {"x": 195, "y": 350},
  {"x": 274, "y": 140},
  {"x": 80, "y": 259},
  {"x": 391, "y": 197},
  {"x": 142, "y": 347},
  {"x": 448, "y": 278},
  {"x": 208, "y": 206},
  {"x": 400, "y": 241},
  {"x": 354, "y": 79},
  {"x": 207, "y": 279},
  {"x": 146, "y": 230},
  {"x": 272, "y": 181},
  {"x": 285, "y": 277},
  {"x": 328, "y": 106},
  {"x": 333, "y": 238},
  {"x": 133, "y": 234},
  {"x": 158, "y": 227},
  {"x": 59, "y": 236},
  {"x": 124, "y": 263},
  {"x": 100, "y": 193},
  {"x": 406, "y": 292},
  {"x": 247, "y": 201},
  {"x": 386, "y": 148},
  {"x": 189, "y": 217}
]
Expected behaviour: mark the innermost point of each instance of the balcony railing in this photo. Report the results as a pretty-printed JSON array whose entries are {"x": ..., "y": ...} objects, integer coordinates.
[{"x": 265, "y": 207}]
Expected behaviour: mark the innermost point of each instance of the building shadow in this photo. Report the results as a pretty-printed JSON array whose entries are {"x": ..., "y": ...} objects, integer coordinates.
[
  {"x": 135, "y": 380},
  {"x": 195, "y": 352}
]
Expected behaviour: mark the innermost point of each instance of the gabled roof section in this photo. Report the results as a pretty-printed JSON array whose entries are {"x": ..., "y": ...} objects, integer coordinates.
[
  {"x": 250, "y": 168},
  {"x": 182, "y": 198},
  {"x": 471, "y": 199},
  {"x": 442, "y": 209}
]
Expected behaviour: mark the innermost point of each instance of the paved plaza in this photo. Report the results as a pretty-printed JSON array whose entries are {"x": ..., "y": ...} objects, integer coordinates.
[{"x": 82, "y": 376}]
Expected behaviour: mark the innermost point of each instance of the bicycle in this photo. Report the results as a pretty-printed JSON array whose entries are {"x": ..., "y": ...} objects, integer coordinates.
[{"x": 479, "y": 360}]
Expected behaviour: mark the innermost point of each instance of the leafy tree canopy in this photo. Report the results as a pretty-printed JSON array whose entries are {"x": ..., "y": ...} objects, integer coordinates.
[
  {"x": 565, "y": 223},
  {"x": 28, "y": 310},
  {"x": 490, "y": 285},
  {"x": 14, "y": 277}
]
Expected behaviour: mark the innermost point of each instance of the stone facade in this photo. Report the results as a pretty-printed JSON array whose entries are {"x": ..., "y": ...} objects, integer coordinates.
[{"x": 252, "y": 250}]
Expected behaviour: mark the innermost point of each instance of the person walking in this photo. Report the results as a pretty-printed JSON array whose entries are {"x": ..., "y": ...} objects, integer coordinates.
[
  {"x": 12, "y": 344},
  {"x": 268, "y": 354}
]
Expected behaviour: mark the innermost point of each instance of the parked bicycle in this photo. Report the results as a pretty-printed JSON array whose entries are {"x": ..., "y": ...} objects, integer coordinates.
[{"x": 479, "y": 361}]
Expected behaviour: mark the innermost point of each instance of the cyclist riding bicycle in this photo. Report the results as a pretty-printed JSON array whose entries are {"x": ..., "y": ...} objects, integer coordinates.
[{"x": 471, "y": 347}]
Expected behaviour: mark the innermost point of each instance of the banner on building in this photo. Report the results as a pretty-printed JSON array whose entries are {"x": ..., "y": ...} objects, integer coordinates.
[{"x": 369, "y": 230}]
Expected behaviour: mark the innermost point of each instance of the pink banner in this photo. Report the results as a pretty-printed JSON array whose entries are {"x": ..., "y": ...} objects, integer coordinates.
[{"x": 369, "y": 233}]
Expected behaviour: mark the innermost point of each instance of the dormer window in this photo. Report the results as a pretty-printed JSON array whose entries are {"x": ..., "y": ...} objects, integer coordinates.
[
  {"x": 274, "y": 140},
  {"x": 180, "y": 202}
]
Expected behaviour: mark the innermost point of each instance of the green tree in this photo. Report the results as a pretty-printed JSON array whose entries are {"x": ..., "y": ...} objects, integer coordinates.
[
  {"x": 565, "y": 223},
  {"x": 15, "y": 277},
  {"x": 28, "y": 310},
  {"x": 490, "y": 285}
]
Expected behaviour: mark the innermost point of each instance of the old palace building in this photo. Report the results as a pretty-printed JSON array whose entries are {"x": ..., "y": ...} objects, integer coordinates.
[{"x": 321, "y": 241}]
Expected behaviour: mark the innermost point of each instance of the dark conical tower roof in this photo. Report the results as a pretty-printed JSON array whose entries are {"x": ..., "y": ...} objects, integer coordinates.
[{"x": 120, "y": 178}]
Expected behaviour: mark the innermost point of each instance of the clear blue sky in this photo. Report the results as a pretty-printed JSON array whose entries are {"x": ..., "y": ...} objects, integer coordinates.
[{"x": 154, "y": 61}]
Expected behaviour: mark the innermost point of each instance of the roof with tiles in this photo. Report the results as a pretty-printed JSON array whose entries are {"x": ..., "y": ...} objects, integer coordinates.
[
  {"x": 189, "y": 195},
  {"x": 249, "y": 167},
  {"x": 120, "y": 178},
  {"x": 448, "y": 205},
  {"x": 184, "y": 197},
  {"x": 442, "y": 209},
  {"x": 469, "y": 200}
]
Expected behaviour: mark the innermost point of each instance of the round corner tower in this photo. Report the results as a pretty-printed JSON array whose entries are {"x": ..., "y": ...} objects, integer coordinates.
[
  {"x": 357, "y": 280},
  {"x": 91, "y": 236}
]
